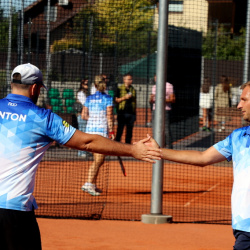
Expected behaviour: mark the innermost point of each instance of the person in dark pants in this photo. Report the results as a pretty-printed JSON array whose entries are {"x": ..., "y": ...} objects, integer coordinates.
[
  {"x": 26, "y": 132},
  {"x": 126, "y": 110}
]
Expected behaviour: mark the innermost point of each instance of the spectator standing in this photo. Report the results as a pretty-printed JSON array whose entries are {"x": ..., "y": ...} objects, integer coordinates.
[
  {"x": 169, "y": 99},
  {"x": 235, "y": 92},
  {"x": 126, "y": 111},
  {"x": 98, "y": 110},
  {"x": 222, "y": 99},
  {"x": 82, "y": 94},
  {"x": 206, "y": 104}
]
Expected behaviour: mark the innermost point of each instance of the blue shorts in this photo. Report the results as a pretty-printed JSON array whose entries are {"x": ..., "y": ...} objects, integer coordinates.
[
  {"x": 242, "y": 240},
  {"x": 19, "y": 230}
]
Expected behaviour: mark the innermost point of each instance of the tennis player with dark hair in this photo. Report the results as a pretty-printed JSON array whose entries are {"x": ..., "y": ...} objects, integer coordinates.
[
  {"x": 26, "y": 132},
  {"x": 235, "y": 147}
]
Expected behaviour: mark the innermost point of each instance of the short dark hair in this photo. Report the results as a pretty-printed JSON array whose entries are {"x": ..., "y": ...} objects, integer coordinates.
[{"x": 127, "y": 74}]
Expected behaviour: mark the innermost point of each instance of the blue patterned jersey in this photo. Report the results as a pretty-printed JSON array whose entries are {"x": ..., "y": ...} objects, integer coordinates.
[
  {"x": 26, "y": 131},
  {"x": 97, "y": 105},
  {"x": 236, "y": 147}
]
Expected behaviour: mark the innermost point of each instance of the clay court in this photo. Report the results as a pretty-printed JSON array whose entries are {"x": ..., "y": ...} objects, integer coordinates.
[
  {"x": 107, "y": 234},
  {"x": 112, "y": 221},
  {"x": 197, "y": 198}
]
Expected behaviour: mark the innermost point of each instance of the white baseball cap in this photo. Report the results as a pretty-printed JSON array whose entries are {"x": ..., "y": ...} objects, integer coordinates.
[{"x": 30, "y": 74}]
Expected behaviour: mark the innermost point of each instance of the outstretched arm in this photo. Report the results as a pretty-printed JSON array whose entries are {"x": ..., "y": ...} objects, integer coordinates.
[
  {"x": 102, "y": 145},
  {"x": 193, "y": 157}
]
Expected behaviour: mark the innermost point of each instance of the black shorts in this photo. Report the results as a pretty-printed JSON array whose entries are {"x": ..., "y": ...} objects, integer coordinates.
[
  {"x": 19, "y": 230},
  {"x": 242, "y": 240}
]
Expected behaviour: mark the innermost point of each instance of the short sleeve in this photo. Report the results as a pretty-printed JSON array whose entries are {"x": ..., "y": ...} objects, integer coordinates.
[
  {"x": 154, "y": 90},
  {"x": 58, "y": 129},
  {"x": 109, "y": 101},
  {"x": 169, "y": 89},
  {"x": 225, "y": 147},
  {"x": 86, "y": 104}
]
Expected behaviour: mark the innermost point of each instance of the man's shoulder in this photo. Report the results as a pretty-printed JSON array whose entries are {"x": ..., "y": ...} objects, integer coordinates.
[{"x": 243, "y": 130}]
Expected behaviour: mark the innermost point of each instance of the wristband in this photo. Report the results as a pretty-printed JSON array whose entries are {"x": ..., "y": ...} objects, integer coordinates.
[{"x": 111, "y": 133}]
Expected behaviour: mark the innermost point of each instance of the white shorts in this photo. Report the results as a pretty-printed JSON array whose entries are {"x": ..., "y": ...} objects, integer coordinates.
[{"x": 205, "y": 101}]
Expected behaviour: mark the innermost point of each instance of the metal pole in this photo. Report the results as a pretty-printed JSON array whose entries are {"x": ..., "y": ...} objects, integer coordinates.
[
  {"x": 214, "y": 78},
  {"x": 21, "y": 33},
  {"x": 47, "y": 46},
  {"x": 29, "y": 50},
  {"x": 37, "y": 49},
  {"x": 246, "y": 58},
  {"x": 116, "y": 59},
  {"x": 90, "y": 52},
  {"x": 84, "y": 47},
  {"x": 148, "y": 68},
  {"x": 101, "y": 61},
  {"x": 18, "y": 40},
  {"x": 62, "y": 66},
  {"x": 156, "y": 216},
  {"x": 9, "y": 49}
]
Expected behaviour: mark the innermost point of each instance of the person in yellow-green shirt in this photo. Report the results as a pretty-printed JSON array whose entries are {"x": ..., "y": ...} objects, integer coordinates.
[{"x": 126, "y": 109}]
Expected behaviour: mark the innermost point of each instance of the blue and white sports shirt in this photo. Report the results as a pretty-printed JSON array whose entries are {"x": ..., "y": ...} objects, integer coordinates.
[
  {"x": 26, "y": 132},
  {"x": 237, "y": 147},
  {"x": 97, "y": 105}
]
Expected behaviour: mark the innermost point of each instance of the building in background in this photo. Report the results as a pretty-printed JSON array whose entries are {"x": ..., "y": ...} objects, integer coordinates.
[{"x": 201, "y": 14}]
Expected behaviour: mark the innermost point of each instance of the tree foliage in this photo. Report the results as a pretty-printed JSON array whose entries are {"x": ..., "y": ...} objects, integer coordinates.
[
  {"x": 228, "y": 46},
  {"x": 4, "y": 30},
  {"x": 113, "y": 24}
]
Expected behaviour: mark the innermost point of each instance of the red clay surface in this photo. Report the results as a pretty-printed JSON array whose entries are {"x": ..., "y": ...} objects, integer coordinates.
[
  {"x": 190, "y": 193},
  {"x": 106, "y": 234}
]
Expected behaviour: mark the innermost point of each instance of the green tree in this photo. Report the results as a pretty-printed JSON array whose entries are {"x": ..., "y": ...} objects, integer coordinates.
[
  {"x": 4, "y": 30},
  {"x": 120, "y": 24},
  {"x": 228, "y": 46}
]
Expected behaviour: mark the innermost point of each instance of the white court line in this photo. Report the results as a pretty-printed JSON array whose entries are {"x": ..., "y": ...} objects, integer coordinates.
[{"x": 197, "y": 197}]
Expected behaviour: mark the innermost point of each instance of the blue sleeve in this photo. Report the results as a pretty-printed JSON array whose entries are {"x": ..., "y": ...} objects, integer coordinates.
[
  {"x": 58, "y": 129},
  {"x": 86, "y": 104},
  {"x": 225, "y": 147},
  {"x": 109, "y": 101}
]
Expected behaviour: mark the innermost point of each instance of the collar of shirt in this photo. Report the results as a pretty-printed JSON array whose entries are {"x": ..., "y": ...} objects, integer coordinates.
[{"x": 15, "y": 97}]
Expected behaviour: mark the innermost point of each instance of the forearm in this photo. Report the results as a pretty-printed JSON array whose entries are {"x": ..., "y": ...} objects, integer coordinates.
[
  {"x": 98, "y": 144},
  {"x": 101, "y": 145},
  {"x": 106, "y": 146},
  {"x": 193, "y": 157},
  {"x": 120, "y": 99},
  {"x": 110, "y": 119},
  {"x": 183, "y": 156}
]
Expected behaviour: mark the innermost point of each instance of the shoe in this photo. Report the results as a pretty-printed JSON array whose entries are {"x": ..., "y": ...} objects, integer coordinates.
[
  {"x": 206, "y": 129},
  {"x": 91, "y": 189}
]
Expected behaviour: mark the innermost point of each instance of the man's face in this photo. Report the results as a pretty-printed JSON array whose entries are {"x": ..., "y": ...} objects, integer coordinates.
[
  {"x": 244, "y": 104},
  {"x": 127, "y": 80}
]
